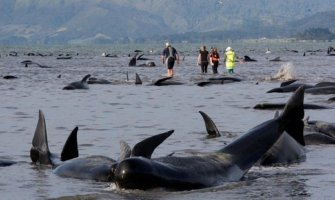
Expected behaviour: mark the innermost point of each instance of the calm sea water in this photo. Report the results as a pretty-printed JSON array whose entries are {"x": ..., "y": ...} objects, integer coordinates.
[{"x": 107, "y": 114}]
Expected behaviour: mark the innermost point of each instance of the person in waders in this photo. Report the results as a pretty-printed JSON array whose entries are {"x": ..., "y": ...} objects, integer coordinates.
[{"x": 169, "y": 56}]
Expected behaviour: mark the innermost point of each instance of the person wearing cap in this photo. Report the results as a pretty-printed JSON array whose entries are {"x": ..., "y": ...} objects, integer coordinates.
[
  {"x": 169, "y": 56},
  {"x": 229, "y": 59},
  {"x": 203, "y": 59}
]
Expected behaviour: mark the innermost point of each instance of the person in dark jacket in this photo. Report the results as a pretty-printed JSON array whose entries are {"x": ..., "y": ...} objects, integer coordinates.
[
  {"x": 215, "y": 57},
  {"x": 203, "y": 59}
]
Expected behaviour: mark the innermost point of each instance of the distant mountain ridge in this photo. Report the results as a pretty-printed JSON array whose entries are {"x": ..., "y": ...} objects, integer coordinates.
[{"x": 110, "y": 21}]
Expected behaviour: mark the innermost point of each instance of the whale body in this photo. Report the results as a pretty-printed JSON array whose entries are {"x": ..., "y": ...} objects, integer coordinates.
[
  {"x": 230, "y": 163},
  {"x": 78, "y": 84}
]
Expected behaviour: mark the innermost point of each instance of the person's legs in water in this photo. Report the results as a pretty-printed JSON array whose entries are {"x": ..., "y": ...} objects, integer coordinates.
[
  {"x": 170, "y": 64},
  {"x": 170, "y": 72},
  {"x": 215, "y": 67},
  {"x": 202, "y": 68},
  {"x": 230, "y": 71}
]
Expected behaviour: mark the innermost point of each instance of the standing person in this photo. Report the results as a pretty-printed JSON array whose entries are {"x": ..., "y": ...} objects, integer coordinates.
[
  {"x": 203, "y": 59},
  {"x": 215, "y": 57},
  {"x": 169, "y": 56},
  {"x": 229, "y": 58}
]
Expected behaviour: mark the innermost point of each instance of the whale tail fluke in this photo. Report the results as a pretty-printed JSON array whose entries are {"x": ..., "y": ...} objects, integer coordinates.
[
  {"x": 70, "y": 149},
  {"x": 211, "y": 128}
]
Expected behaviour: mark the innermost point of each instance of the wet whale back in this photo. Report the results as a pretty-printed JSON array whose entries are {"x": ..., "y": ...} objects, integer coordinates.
[
  {"x": 91, "y": 167},
  {"x": 285, "y": 151},
  {"x": 6, "y": 163},
  {"x": 98, "y": 167},
  {"x": 289, "y": 88},
  {"x": 289, "y": 148},
  {"x": 262, "y": 137}
]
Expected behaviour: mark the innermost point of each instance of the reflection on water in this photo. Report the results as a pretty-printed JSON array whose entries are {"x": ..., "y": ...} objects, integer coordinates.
[{"x": 107, "y": 114}]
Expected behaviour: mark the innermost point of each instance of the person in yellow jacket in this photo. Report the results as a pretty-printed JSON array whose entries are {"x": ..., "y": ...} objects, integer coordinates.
[{"x": 229, "y": 59}]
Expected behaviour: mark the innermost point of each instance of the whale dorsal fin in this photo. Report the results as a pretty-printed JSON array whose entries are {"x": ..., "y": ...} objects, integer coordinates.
[
  {"x": 70, "y": 149},
  {"x": 210, "y": 125},
  {"x": 125, "y": 150},
  {"x": 146, "y": 147},
  {"x": 159, "y": 81},
  {"x": 296, "y": 130},
  {"x": 294, "y": 113},
  {"x": 84, "y": 80},
  {"x": 39, "y": 151},
  {"x": 138, "y": 80},
  {"x": 132, "y": 61}
]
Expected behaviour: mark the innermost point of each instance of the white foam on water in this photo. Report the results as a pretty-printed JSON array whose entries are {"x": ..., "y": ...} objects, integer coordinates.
[{"x": 286, "y": 72}]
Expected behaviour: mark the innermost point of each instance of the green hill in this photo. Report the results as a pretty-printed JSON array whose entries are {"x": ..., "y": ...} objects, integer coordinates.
[{"x": 112, "y": 21}]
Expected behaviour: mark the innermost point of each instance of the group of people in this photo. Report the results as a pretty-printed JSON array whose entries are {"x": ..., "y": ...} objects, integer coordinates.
[
  {"x": 205, "y": 58},
  {"x": 170, "y": 56}
]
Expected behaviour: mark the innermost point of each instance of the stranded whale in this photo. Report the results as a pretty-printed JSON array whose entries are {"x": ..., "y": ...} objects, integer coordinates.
[
  {"x": 319, "y": 88},
  {"x": 94, "y": 167},
  {"x": 289, "y": 88},
  {"x": 274, "y": 106},
  {"x": 6, "y": 163},
  {"x": 166, "y": 81},
  {"x": 94, "y": 80},
  {"x": 230, "y": 163},
  {"x": 319, "y": 132},
  {"x": 288, "y": 149},
  {"x": 78, "y": 84},
  {"x": 98, "y": 167},
  {"x": 219, "y": 80}
]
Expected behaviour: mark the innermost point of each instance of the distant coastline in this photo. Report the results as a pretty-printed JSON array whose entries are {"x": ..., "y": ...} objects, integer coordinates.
[{"x": 243, "y": 46}]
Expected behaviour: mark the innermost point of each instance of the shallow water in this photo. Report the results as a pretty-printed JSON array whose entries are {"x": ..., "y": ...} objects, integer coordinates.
[{"x": 107, "y": 114}]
